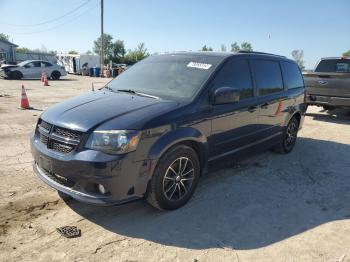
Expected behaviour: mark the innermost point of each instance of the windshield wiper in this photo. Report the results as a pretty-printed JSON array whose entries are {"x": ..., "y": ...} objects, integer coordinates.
[
  {"x": 137, "y": 93},
  {"x": 109, "y": 89}
]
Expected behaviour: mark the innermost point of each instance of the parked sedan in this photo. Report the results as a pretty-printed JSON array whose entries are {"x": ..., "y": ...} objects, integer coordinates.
[{"x": 32, "y": 69}]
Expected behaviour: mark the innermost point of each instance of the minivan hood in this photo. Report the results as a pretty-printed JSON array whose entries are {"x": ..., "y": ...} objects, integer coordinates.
[{"x": 95, "y": 108}]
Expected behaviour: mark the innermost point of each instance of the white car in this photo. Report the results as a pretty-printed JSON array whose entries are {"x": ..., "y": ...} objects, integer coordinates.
[{"x": 32, "y": 69}]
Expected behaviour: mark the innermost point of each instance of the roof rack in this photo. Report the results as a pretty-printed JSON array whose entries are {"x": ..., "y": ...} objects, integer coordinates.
[{"x": 259, "y": 53}]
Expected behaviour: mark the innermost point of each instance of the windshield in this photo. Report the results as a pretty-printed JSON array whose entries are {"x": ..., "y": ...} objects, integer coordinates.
[{"x": 176, "y": 77}]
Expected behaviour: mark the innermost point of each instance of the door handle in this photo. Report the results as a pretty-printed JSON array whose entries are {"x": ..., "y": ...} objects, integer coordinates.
[
  {"x": 252, "y": 109},
  {"x": 265, "y": 106}
]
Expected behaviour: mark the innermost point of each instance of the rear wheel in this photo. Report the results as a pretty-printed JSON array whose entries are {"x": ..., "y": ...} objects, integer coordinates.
[
  {"x": 16, "y": 75},
  {"x": 175, "y": 178},
  {"x": 289, "y": 137},
  {"x": 55, "y": 75}
]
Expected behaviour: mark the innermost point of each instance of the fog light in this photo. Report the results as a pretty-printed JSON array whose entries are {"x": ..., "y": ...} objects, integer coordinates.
[{"x": 102, "y": 189}]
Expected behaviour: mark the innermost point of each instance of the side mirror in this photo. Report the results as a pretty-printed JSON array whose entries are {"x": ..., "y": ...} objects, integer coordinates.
[{"x": 224, "y": 95}]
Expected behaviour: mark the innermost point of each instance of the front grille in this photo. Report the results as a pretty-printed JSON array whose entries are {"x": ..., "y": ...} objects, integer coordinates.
[
  {"x": 67, "y": 133},
  {"x": 45, "y": 125},
  {"x": 43, "y": 139},
  {"x": 59, "y": 179},
  {"x": 58, "y": 139},
  {"x": 56, "y": 146}
]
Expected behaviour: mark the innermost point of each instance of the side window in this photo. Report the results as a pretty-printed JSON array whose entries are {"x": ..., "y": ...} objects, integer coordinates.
[
  {"x": 30, "y": 65},
  {"x": 45, "y": 64},
  {"x": 236, "y": 74},
  {"x": 36, "y": 64},
  {"x": 268, "y": 77},
  {"x": 291, "y": 74}
]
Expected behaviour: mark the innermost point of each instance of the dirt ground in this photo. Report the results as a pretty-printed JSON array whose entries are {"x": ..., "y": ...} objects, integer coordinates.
[{"x": 269, "y": 207}]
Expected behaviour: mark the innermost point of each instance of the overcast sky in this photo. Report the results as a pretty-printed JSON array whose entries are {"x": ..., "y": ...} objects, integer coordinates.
[{"x": 320, "y": 28}]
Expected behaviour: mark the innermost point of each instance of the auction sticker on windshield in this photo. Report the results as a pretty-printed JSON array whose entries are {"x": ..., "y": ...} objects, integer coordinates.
[{"x": 199, "y": 65}]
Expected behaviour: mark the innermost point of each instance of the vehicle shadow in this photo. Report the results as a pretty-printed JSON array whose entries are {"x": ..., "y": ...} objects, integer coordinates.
[
  {"x": 257, "y": 202},
  {"x": 337, "y": 116}
]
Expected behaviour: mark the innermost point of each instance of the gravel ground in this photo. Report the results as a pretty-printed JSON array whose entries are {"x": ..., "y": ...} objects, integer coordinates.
[{"x": 269, "y": 207}]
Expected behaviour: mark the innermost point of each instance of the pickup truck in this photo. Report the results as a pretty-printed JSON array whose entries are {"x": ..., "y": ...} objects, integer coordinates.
[{"x": 329, "y": 84}]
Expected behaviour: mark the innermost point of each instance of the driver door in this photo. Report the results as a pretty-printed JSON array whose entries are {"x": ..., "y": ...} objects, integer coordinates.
[
  {"x": 32, "y": 70},
  {"x": 234, "y": 125}
]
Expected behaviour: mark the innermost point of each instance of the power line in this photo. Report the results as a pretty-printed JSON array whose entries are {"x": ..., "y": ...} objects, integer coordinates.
[
  {"x": 51, "y": 20},
  {"x": 56, "y": 26}
]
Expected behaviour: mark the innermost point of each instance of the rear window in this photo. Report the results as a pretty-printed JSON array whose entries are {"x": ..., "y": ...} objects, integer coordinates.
[
  {"x": 291, "y": 75},
  {"x": 268, "y": 76},
  {"x": 334, "y": 66}
]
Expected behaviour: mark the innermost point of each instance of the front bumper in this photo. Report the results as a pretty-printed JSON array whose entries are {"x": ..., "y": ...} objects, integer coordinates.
[
  {"x": 328, "y": 100},
  {"x": 78, "y": 174}
]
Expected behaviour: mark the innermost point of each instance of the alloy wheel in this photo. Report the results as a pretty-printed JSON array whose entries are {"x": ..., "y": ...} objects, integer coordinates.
[
  {"x": 178, "y": 179},
  {"x": 291, "y": 134}
]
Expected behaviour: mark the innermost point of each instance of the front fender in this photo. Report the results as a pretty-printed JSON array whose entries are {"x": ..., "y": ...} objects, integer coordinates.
[{"x": 183, "y": 134}]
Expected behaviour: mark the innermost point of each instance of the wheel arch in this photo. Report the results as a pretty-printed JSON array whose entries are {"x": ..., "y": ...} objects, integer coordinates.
[
  {"x": 296, "y": 114},
  {"x": 16, "y": 71},
  {"x": 183, "y": 136}
]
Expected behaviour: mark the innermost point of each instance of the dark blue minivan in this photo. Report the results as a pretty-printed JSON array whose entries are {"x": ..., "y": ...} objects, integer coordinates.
[{"x": 151, "y": 132}]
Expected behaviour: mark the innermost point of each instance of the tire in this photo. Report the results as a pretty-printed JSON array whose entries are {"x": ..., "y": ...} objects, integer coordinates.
[
  {"x": 64, "y": 196},
  {"x": 55, "y": 75},
  {"x": 289, "y": 137},
  {"x": 174, "y": 179},
  {"x": 16, "y": 75}
]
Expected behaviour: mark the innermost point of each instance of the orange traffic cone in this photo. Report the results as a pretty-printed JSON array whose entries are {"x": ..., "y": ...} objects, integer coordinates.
[
  {"x": 24, "y": 100},
  {"x": 46, "y": 82},
  {"x": 42, "y": 76}
]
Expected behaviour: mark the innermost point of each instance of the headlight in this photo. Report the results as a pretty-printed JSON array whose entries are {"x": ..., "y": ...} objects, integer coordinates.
[{"x": 113, "y": 141}]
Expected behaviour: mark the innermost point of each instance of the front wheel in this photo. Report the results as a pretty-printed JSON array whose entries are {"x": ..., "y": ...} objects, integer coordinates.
[
  {"x": 55, "y": 75},
  {"x": 16, "y": 75},
  {"x": 174, "y": 179},
  {"x": 289, "y": 137}
]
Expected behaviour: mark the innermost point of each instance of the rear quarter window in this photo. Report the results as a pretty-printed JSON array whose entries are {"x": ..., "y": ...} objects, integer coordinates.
[
  {"x": 268, "y": 76},
  {"x": 291, "y": 75}
]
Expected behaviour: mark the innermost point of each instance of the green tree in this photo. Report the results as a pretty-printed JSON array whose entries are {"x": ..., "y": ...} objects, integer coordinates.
[
  {"x": 107, "y": 47},
  {"x": 4, "y": 37},
  {"x": 298, "y": 56},
  {"x": 235, "y": 47},
  {"x": 119, "y": 51},
  {"x": 347, "y": 53},
  {"x": 223, "y": 48},
  {"x": 136, "y": 55},
  {"x": 22, "y": 50},
  {"x": 205, "y": 48},
  {"x": 72, "y": 52},
  {"x": 246, "y": 46}
]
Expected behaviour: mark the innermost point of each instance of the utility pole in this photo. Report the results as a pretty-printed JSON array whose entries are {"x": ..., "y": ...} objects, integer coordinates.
[{"x": 101, "y": 58}]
